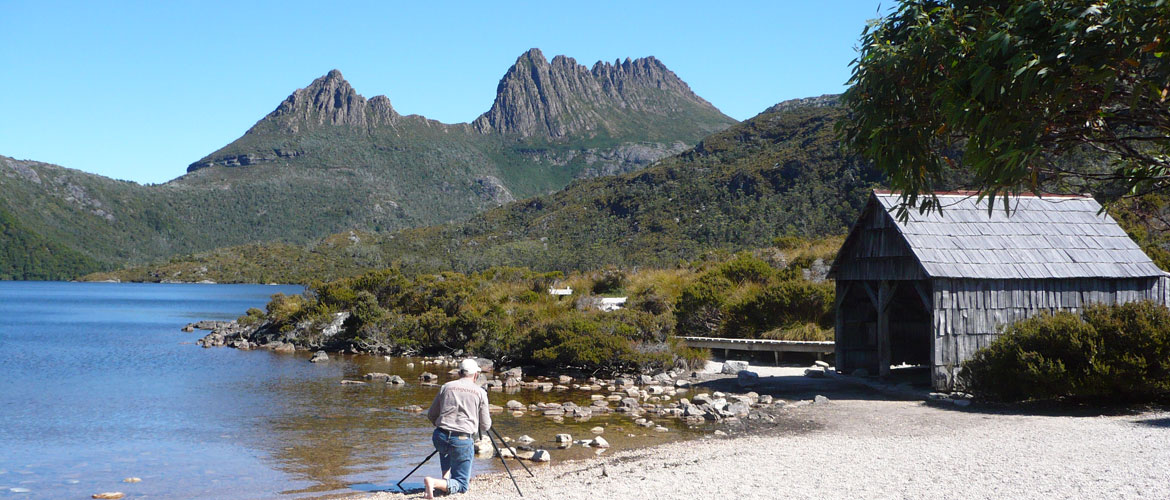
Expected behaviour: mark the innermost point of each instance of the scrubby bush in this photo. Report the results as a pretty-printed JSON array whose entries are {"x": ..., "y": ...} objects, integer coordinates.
[
  {"x": 1107, "y": 352},
  {"x": 610, "y": 281},
  {"x": 251, "y": 317}
]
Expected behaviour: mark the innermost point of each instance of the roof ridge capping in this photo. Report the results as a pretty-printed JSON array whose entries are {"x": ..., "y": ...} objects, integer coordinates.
[{"x": 964, "y": 193}]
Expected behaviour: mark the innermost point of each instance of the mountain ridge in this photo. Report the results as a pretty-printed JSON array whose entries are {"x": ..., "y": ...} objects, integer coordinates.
[{"x": 326, "y": 159}]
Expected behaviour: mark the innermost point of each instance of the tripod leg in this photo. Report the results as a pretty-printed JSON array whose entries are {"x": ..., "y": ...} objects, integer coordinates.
[
  {"x": 514, "y": 455},
  {"x": 425, "y": 460},
  {"x": 505, "y": 462}
]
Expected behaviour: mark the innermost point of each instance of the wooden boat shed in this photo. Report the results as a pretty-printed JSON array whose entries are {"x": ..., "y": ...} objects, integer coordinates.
[{"x": 937, "y": 287}]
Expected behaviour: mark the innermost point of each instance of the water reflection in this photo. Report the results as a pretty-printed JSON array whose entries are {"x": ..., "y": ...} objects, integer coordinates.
[{"x": 333, "y": 436}]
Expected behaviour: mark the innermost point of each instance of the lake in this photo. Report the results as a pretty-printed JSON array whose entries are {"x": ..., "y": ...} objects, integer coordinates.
[{"x": 98, "y": 384}]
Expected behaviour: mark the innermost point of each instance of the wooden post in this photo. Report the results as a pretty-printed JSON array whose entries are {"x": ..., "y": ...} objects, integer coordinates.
[
  {"x": 839, "y": 329},
  {"x": 884, "y": 296}
]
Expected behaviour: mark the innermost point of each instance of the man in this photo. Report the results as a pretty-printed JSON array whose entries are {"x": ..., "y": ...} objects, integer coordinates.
[{"x": 458, "y": 411}]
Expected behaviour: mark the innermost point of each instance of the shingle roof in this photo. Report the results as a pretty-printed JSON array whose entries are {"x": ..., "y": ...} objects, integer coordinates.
[{"x": 1049, "y": 237}]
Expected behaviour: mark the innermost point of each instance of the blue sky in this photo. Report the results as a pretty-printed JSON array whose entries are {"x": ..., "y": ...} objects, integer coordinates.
[{"x": 138, "y": 90}]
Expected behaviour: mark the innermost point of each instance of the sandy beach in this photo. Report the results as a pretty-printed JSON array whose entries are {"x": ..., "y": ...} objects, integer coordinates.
[{"x": 866, "y": 444}]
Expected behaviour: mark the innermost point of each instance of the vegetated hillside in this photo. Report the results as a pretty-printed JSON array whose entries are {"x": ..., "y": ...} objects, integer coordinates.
[
  {"x": 780, "y": 173},
  {"x": 329, "y": 160},
  {"x": 28, "y": 255}
]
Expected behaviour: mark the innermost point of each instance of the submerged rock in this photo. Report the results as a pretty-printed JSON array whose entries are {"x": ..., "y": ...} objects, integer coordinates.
[{"x": 319, "y": 356}]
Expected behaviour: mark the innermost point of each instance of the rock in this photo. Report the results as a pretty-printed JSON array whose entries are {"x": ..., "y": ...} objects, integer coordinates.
[
  {"x": 554, "y": 412},
  {"x": 495, "y": 408},
  {"x": 516, "y": 373},
  {"x": 428, "y": 377},
  {"x": 511, "y": 383},
  {"x": 661, "y": 429},
  {"x": 733, "y": 367},
  {"x": 409, "y": 366},
  {"x": 412, "y": 408},
  {"x": 701, "y": 398},
  {"x": 766, "y": 399},
  {"x": 654, "y": 389},
  {"x": 132, "y": 480},
  {"x": 565, "y": 379},
  {"x": 819, "y": 399},
  {"x": 597, "y": 430},
  {"x": 525, "y": 439},
  {"x": 645, "y": 380},
  {"x": 738, "y": 409},
  {"x": 663, "y": 378},
  {"x": 485, "y": 365},
  {"x": 747, "y": 378},
  {"x": 395, "y": 380},
  {"x": 623, "y": 382},
  {"x": 599, "y": 442},
  {"x": 720, "y": 433},
  {"x": 861, "y": 372},
  {"x": 512, "y": 404},
  {"x": 381, "y": 377},
  {"x": 352, "y": 382},
  {"x": 821, "y": 364},
  {"x": 483, "y": 447},
  {"x": 629, "y": 403},
  {"x": 319, "y": 356},
  {"x": 682, "y": 383},
  {"x": 815, "y": 373},
  {"x": 564, "y": 438},
  {"x": 632, "y": 392},
  {"x": 541, "y": 456},
  {"x": 284, "y": 347},
  {"x": 189, "y": 328},
  {"x": 112, "y": 495}
]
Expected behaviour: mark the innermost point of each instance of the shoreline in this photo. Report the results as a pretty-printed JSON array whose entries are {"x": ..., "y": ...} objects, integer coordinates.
[{"x": 876, "y": 448}]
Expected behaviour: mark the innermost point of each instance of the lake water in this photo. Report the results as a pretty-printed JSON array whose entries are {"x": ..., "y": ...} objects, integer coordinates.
[{"x": 98, "y": 384}]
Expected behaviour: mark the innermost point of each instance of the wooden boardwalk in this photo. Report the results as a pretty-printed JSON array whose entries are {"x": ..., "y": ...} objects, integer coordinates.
[{"x": 777, "y": 347}]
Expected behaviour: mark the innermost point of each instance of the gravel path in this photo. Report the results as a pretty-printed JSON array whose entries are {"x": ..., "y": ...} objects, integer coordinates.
[{"x": 863, "y": 448}]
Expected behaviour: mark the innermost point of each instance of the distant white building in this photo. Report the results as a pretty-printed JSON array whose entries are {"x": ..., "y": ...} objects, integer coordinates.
[
  {"x": 611, "y": 303},
  {"x": 560, "y": 291}
]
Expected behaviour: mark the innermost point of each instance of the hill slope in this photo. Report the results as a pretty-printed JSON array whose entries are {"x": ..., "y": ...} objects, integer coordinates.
[
  {"x": 779, "y": 173},
  {"x": 327, "y": 160}
]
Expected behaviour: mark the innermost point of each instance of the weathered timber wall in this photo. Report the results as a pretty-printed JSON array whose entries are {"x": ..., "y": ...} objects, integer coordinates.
[{"x": 969, "y": 313}]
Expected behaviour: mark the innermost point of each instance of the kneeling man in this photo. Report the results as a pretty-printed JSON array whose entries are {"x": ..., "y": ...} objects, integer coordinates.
[{"x": 458, "y": 411}]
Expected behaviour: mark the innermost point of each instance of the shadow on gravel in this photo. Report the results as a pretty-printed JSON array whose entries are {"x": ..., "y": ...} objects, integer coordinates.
[{"x": 1156, "y": 422}]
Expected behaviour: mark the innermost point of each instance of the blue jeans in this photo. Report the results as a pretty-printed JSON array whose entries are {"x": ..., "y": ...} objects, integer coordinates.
[{"x": 455, "y": 454}]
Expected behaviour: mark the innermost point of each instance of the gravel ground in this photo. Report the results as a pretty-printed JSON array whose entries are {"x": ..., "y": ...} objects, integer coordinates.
[{"x": 870, "y": 447}]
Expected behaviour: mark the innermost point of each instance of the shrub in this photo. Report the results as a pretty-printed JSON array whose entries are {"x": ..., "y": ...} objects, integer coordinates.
[
  {"x": 1105, "y": 352},
  {"x": 746, "y": 268},
  {"x": 251, "y": 317},
  {"x": 784, "y": 304},
  {"x": 1038, "y": 358},
  {"x": 611, "y": 281}
]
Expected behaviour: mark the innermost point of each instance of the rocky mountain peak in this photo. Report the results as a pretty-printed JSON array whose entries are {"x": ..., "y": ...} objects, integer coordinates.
[
  {"x": 331, "y": 100},
  {"x": 537, "y": 97}
]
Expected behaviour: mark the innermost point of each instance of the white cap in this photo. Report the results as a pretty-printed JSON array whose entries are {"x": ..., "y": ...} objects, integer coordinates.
[{"x": 469, "y": 366}]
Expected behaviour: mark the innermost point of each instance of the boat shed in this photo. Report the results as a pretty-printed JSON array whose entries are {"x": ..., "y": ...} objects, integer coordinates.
[{"x": 933, "y": 289}]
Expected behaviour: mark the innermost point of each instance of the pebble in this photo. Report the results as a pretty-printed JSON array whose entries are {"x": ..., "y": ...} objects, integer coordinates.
[
  {"x": 132, "y": 480},
  {"x": 597, "y": 430},
  {"x": 111, "y": 495}
]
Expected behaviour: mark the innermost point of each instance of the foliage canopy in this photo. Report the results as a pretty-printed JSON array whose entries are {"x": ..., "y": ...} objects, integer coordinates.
[{"x": 1011, "y": 88}]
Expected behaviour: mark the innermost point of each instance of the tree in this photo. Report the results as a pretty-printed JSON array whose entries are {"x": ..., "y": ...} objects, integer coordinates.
[{"x": 1009, "y": 91}]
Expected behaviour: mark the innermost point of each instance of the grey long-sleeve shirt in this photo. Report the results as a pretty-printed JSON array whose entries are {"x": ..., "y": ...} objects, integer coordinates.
[{"x": 460, "y": 406}]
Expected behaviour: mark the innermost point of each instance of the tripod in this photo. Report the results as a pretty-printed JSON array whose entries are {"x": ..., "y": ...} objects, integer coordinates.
[{"x": 498, "y": 454}]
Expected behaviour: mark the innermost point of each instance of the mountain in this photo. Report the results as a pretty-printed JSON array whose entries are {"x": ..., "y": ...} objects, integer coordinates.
[
  {"x": 328, "y": 160},
  {"x": 560, "y": 98},
  {"x": 781, "y": 173}
]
